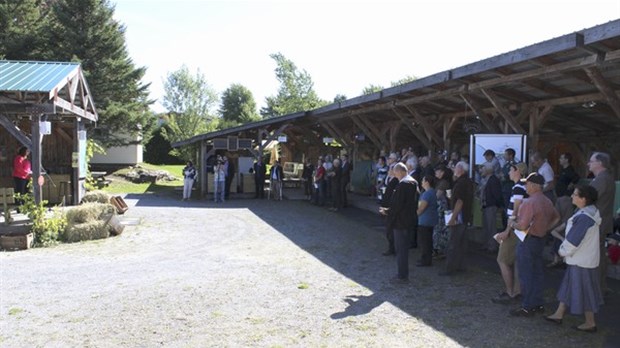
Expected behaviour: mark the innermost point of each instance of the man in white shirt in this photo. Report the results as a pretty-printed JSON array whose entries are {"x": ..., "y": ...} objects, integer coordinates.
[{"x": 543, "y": 168}]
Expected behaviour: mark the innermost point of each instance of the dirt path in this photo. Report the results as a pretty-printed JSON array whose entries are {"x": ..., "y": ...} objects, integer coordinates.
[{"x": 249, "y": 273}]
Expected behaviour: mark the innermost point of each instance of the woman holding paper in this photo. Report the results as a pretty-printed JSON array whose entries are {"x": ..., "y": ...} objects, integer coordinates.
[{"x": 580, "y": 289}]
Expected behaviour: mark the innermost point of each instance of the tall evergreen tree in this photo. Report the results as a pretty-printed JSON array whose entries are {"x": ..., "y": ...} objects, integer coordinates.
[
  {"x": 238, "y": 105},
  {"x": 296, "y": 92},
  {"x": 21, "y": 26},
  {"x": 85, "y": 31}
]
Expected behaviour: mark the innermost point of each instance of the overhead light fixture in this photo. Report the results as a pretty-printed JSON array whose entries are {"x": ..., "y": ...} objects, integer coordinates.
[{"x": 588, "y": 105}]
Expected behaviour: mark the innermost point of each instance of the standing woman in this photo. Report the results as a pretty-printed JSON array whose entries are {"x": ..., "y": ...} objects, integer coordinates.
[
  {"x": 189, "y": 175},
  {"x": 427, "y": 220},
  {"x": 219, "y": 181},
  {"x": 580, "y": 289},
  {"x": 22, "y": 171}
]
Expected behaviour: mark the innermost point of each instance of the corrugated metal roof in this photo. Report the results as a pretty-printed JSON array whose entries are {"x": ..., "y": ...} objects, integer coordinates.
[{"x": 34, "y": 76}]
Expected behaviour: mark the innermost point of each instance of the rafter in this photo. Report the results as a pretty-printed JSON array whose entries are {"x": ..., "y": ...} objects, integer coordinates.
[
  {"x": 605, "y": 87},
  {"x": 366, "y": 131},
  {"x": 480, "y": 113},
  {"x": 416, "y": 132},
  {"x": 507, "y": 115},
  {"x": 428, "y": 128}
]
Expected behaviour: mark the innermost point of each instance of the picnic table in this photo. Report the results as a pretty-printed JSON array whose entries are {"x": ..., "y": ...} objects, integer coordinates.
[{"x": 100, "y": 179}]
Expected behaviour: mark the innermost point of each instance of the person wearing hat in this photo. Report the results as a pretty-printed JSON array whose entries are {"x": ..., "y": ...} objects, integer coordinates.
[
  {"x": 535, "y": 217},
  {"x": 507, "y": 240}
]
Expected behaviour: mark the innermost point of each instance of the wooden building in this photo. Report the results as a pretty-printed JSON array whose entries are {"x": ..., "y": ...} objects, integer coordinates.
[
  {"x": 562, "y": 93},
  {"x": 45, "y": 107}
]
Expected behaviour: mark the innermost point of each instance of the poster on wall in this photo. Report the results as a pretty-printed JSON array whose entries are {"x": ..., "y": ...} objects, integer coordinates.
[
  {"x": 479, "y": 143},
  {"x": 82, "y": 154}
]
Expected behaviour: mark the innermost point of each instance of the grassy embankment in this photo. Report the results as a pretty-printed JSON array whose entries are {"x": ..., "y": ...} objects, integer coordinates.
[{"x": 120, "y": 185}]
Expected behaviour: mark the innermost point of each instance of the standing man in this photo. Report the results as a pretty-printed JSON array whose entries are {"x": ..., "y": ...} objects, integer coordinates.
[
  {"x": 401, "y": 217},
  {"x": 275, "y": 176},
  {"x": 535, "y": 217},
  {"x": 336, "y": 179},
  {"x": 543, "y": 168},
  {"x": 230, "y": 173},
  {"x": 260, "y": 170},
  {"x": 507, "y": 183},
  {"x": 461, "y": 204},
  {"x": 568, "y": 177},
  {"x": 347, "y": 168},
  {"x": 492, "y": 201},
  {"x": 604, "y": 184},
  {"x": 306, "y": 177},
  {"x": 507, "y": 254}
]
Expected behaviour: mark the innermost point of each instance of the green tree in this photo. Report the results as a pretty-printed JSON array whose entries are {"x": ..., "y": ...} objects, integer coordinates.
[
  {"x": 340, "y": 98},
  {"x": 189, "y": 100},
  {"x": 370, "y": 89},
  {"x": 21, "y": 29},
  {"x": 85, "y": 31},
  {"x": 238, "y": 105},
  {"x": 296, "y": 92},
  {"x": 404, "y": 80}
]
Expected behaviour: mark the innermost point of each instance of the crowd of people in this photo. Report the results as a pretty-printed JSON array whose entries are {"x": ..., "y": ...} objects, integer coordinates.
[{"x": 431, "y": 207}]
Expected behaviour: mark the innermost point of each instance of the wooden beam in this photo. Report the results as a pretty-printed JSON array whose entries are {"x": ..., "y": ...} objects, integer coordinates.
[
  {"x": 430, "y": 130},
  {"x": 61, "y": 132},
  {"x": 15, "y": 131},
  {"x": 605, "y": 87},
  {"x": 374, "y": 129},
  {"x": 507, "y": 115},
  {"x": 335, "y": 134},
  {"x": 543, "y": 115},
  {"x": 394, "y": 129},
  {"x": 480, "y": 113},
  {"x": 416, "y": 132},
  {"x": 366, "y": 131}
]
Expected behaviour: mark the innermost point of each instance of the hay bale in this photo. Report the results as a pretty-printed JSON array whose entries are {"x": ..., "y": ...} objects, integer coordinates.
[
  {"x": 86, "y": 231},
  {"x": 96, "y": 196},
  {"x": 88, "y": 212}
]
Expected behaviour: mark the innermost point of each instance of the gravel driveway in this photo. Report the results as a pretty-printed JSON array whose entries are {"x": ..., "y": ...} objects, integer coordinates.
[{"x": 250, "y": 273}]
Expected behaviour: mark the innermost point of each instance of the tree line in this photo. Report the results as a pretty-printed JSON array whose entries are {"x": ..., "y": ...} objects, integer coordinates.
[{"x": 85, "y": 31}]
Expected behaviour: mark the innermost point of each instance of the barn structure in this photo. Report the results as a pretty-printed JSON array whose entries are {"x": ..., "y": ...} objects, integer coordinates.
[
  {"x": 562, "y": 93},
  {"x": 45, "y": 106}
]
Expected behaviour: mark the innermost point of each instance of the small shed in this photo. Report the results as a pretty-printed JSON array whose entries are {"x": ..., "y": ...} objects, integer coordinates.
[{"x": 45, "y": 106}]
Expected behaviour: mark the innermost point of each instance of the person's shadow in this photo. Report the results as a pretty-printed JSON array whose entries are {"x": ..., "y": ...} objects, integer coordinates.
[{"x": 358, "y": 305}]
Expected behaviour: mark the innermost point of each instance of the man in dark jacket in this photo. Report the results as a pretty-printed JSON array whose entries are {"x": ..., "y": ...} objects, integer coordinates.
[
  {"x": 347, "y": 168},
  {"x": 401, "y": 217},
  {"x": 260, "y": 170},
  {"x": 386, "y": 199},
  {"x": 461, "y": 215},
  {"x": 492, "y": 201},
  {"x": 230, "y": 173}
]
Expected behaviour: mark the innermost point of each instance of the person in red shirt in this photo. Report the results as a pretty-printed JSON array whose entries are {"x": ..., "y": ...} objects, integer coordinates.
[{"x": 22, "y": 171}]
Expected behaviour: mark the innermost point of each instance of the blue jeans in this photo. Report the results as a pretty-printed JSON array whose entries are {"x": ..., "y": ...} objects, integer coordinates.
[{"x": 530, "y": 265}]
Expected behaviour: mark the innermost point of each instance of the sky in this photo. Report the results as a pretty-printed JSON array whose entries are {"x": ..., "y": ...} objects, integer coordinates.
[{"x": 344, "y": 45}]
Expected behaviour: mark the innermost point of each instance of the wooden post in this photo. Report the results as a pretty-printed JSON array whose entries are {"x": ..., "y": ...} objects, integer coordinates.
[
  {"x": 36, "y": 157},
  {"x": 203, "y": 169}
]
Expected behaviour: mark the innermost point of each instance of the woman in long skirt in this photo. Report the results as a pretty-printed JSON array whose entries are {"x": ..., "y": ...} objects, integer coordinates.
[{"x": 580, "y": 290}]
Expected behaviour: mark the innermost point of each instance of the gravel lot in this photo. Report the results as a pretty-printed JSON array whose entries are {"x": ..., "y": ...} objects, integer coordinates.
[{"x": 251, "y": 273}]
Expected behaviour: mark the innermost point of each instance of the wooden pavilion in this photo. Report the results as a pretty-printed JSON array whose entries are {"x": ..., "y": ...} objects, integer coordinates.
[
  {"x": 562, "y": 93},
  {"x": 46, "y": 98}
]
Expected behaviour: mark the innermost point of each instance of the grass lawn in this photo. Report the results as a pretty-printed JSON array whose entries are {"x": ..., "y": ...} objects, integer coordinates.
[{"x": 119, "y": 185}]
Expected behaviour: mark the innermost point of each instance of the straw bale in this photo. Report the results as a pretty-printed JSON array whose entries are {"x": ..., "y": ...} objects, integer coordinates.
[
  {"x": 88, "y": 212},
  {"x": 86, "y": 231},
  {"x": 96, "y": 196}
]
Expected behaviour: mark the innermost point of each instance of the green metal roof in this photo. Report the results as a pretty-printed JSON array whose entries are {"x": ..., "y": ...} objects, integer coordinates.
[{"x": 27, "y": 76}]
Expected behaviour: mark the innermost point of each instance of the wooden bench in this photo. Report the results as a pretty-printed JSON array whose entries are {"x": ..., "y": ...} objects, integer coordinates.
[{"x": 7, "y": 196}]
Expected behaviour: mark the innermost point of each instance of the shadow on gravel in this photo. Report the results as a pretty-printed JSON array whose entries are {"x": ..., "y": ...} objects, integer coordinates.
[{"x": 351, "y": 243}]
